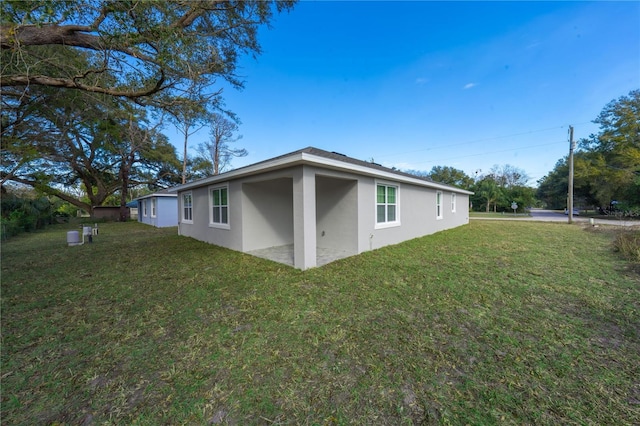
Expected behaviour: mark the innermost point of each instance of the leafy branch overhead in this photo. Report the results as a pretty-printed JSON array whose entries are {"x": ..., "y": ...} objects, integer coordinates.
[{"x": 132, "y": 49}]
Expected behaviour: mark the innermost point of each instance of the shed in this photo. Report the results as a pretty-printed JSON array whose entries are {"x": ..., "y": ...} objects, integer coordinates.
[{"x": 159, "y": 209}]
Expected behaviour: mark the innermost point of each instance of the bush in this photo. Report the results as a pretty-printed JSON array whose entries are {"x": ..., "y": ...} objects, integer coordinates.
[
  {"x": 627, "y": 242},
  {"x": 24, "y": 215}
]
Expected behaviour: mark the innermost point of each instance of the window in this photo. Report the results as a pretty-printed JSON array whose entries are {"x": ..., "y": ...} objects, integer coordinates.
[
  {"x": 453, "y": 202},
  {"x": 187, "y": 207},
  {"x": 153, "y": 207},
  {"x": 219, "y": 214},
  {"x": 386, "y": 204},
  {"x": 438, "y": 204},
  {"x": 144, "y": 208}
]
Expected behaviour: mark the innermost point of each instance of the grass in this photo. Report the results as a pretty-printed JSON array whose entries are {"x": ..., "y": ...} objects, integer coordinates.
[{"x": 491, "y": 323}]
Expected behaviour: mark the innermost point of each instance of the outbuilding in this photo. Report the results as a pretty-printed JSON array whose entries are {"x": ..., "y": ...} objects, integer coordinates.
[
  {"x": 310, "y": 207},
  {"x": 159, "y": 209}
]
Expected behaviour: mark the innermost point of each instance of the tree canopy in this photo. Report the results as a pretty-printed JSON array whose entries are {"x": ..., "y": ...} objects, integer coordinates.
[
  {"x": 500, "y": 187},
  {"x": 607, "y": 164},
  {"x": 55, "y": 141},
  {"x": 80, "y": 80},
  {"x": 450, "y": 176},
  {"x": 149, "y": 50}
]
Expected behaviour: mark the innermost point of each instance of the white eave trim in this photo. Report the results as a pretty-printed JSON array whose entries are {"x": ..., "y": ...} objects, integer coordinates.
[
  {"x": 381, "y": 174},
  {"x": 244, "y": 171},
  {"x": 315, "y": 160},
  {"x": 144, "y": 197}
]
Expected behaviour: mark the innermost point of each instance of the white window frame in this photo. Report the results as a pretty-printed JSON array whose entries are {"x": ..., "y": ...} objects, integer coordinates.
[
  {"x": 213, "y": 224},
  {"x": 154, "y": 207},
  {"x": 144, "y": 208},
  {"x": 185, "y": 207},
  {"x": 386, "y": 223},
  {"x": 453, "y": 202},
  {"x": 439, "y": 205}
]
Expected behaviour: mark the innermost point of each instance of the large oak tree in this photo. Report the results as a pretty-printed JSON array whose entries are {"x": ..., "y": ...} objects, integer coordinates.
[
  {"x": 71, "y": 73},
  {"x": 154, "y": 48},
  {"x": 54, "y": 141}
]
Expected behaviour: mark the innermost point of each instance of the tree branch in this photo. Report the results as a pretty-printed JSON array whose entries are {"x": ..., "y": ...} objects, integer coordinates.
[
  {"x": 52, "y": 191},
  {"x": 12, "y": 36},
  {"x": 42, "y": 80}
]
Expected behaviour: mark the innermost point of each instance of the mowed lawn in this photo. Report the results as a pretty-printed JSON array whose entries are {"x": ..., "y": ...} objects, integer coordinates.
[{"x": 490, "y": 323}]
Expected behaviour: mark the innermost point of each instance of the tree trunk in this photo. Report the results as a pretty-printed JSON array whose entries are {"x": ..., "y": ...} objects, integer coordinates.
[
  {"x": 124, "y": 178},
  {"x": 184, "y": 158}
]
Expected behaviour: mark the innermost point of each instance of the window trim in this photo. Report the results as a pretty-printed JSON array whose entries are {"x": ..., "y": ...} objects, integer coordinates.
[
  {"x": 144, "y": 208},
  {"x": 184, "y": 207},
  {"x": 154, "y": 207},
  {"x": 213, "y": 224},
  {"x": 386, "y": 224},
  {"x": 453, "y": 202},
  {"x": 439, "y": 213}
]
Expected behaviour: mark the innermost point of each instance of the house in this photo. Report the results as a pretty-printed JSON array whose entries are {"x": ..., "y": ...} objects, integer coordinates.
[
  {"x": 159, "y": 209},
  {"x": 311, "y": 206}
]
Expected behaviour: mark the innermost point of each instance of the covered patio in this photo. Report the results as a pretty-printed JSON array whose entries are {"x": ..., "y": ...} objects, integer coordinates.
[{"x": 271, "y": 220}]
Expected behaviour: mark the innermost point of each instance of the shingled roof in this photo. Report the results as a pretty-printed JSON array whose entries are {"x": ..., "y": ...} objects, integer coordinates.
[{"x": 305, "y": 155}]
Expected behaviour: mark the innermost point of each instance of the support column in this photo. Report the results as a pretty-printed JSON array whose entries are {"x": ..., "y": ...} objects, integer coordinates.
[{"x": 304, "y": 218}]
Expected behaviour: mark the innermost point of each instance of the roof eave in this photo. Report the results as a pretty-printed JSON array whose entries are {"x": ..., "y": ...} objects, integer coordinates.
[{"x": 301, "y": 157}]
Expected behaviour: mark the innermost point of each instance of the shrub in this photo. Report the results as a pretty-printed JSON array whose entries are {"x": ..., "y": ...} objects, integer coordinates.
[
  {"x": 627, "y": 242},
  {"x": 24, "y": 214}
]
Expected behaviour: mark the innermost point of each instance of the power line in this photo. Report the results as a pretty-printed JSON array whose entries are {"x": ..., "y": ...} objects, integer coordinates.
[
  {"x": 476, "y": 141},
  {"x": 488, "y": 153}
]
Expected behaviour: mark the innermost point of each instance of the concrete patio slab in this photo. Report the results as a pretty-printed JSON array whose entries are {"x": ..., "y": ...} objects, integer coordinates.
[{"x": 284, "y": 254}]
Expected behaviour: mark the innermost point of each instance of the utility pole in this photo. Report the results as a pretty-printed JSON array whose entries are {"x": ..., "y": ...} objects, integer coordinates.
[{"x": 570, "y": 194}]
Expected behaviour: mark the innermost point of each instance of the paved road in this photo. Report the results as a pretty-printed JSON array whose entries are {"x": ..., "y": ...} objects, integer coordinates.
[
  {"x": 541, "y": 215},
  {"x": 553, "y": 216}
]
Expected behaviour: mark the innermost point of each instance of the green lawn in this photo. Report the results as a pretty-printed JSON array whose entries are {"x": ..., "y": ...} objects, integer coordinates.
[{"x": 490, "y": 323}]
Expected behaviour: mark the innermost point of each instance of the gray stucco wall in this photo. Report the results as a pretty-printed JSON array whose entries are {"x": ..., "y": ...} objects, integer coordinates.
[
  {"x": 260, "y": 213},
  {"x": 267, "y": 209},
  {"x": 417, "y": 213},
  {"x": 338, "y": 211},
  {"x": 201, "y": 229}
]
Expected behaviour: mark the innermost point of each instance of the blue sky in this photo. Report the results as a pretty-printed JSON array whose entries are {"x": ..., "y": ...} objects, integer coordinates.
[{"x": 419, "y": 84}]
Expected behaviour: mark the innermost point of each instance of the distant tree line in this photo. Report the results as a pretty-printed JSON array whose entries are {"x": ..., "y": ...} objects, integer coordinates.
[
  {"x": 494, "y": 191},
  {"x": 606, "y": 165},
  {"x": 606, "y": 171}
]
